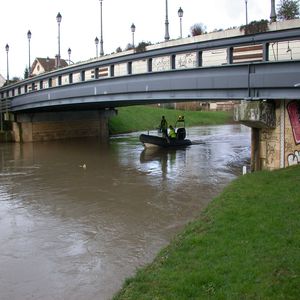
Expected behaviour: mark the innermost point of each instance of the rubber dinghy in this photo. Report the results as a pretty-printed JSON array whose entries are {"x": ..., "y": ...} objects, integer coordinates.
[{"x": 150, "y": 141}]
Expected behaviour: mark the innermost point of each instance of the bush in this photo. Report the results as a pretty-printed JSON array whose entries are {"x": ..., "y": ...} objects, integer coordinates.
[
  {"x": 255, "y": 27},
  {"x": 141, "y": 47}
]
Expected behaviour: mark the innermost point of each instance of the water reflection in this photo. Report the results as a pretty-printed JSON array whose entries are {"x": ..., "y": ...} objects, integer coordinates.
[
  {"x": 72, "y": 233},
  {"x": 164, "y": 162}
]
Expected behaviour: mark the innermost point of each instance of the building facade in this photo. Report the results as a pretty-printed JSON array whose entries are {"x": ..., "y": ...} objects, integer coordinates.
[{"x": 2, "y": 80}]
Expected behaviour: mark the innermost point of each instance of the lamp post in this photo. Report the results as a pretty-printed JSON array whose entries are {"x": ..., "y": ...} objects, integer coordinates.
[
  {"x": 58, "y": 19},
  {"x": 167, "y": 36},
  {"x": 180, "y": 15},
  {"x": 7, "y": 49},
  {"x": 133, "y": 31},
  {"x": 29, "y": 64},
  {"x": 246, "y": 5},
  {"x": 101, "y": 30},
  {"x": 273, "y": 11},
  {"x": 69, "y": 53},
  {"x": 96, "y": 43}
]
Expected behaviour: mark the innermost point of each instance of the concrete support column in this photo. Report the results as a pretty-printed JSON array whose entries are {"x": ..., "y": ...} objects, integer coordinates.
[
  {"x": 45, "y": 126},
  {"x": 275, "y": 139},
  {"x": 255, "y": 149},
  {"x": 282, "y": 134}
]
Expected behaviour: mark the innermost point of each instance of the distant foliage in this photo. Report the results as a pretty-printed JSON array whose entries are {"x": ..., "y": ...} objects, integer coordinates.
[
  {"x": 255, "y": 27},
  {"x": 11, "y": 81},
  {"x": 119, "y": 49},
  {"x": 26, "y": 73},
  {"x": 288, "y": 10},
  {"x": 141, "y": 47},
  {"x": 198, "y": 29},
  {"x": 129, "y": 47},
  {"x": 218, "y": 30}
]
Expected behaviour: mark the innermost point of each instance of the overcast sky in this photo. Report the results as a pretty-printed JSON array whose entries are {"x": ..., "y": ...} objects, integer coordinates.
[{"x": 81, "y": 24}]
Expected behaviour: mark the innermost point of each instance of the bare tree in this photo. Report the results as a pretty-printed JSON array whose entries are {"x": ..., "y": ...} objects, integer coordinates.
[{"x": 198, "y": 29}]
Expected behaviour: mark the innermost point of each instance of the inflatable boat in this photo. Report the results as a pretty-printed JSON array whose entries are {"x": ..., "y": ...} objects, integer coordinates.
[{"x": 150, "y": 141}]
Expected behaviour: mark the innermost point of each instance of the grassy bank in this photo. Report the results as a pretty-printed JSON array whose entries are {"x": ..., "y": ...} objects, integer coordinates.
[
  {"x": 245, "y": 245},
  {"x": 137, "y": 118}
]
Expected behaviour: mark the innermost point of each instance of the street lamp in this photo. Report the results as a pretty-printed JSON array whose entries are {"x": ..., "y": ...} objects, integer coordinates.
[
  {"x": 58, "y": 19},
  {"x": 69, "y": 53},
  {"x": 133, "y": 31},
  {"x": 101, "y": 30},
  {"x": 29, "y": 64},
  {"x": 246, "y": 5},
  {"x": 167, "y": 36},
  {"x": 7, "y": 49},
  {"x": 180, "y": 15},
  {"x": 96, "y": 43},
  {"x": 273, "y": 11}
]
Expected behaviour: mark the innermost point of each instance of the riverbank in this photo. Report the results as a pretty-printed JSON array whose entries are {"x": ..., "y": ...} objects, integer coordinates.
[
  {"x": 245, "y": 245},
  {"x": 138, "y": 118}
]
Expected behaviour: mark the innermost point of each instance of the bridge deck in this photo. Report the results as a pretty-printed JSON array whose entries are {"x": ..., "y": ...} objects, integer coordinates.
[{"x": 242, "y": 67}]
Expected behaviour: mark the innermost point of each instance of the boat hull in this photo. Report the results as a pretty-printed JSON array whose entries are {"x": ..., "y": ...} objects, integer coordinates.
[{"x": 151, "y": 141}]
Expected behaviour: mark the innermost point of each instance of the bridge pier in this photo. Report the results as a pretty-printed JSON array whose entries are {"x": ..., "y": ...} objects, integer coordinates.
[
  {"x": 45, "y": 126},
  {"x": 275, "y": 137}
]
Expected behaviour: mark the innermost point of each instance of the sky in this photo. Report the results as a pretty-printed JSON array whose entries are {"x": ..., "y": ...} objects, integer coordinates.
[{"x": 81, "y": 24}]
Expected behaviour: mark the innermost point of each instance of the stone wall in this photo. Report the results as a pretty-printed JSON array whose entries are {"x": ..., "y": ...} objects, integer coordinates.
[
  {"x": 61, "y": 125},
  {"x": 269, "y": 143},
  {"x": 6, "y": 136},
  {"x": 275, "y": 132},
  {"x": 292, "y": 133},
  {"x": 280, "y": 147}
]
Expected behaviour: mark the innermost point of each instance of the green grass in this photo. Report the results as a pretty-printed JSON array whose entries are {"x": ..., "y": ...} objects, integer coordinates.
[
  {"x": 137, "y": 118},
  {"x": 245, "y": 245}
]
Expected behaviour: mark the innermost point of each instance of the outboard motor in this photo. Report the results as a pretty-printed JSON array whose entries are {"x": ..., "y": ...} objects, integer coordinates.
[{"x": 181, "y": 133}]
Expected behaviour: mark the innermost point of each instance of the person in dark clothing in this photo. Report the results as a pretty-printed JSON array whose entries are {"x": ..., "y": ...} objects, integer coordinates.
[{"x": 164, "y": 126}]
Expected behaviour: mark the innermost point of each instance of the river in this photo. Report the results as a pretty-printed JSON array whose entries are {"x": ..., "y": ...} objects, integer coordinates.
[{"x": 79, "y": 216}]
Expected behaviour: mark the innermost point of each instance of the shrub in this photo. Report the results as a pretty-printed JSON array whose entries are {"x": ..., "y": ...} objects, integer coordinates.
[
  {"x": 141, "y": 47},
  {"x": 255, "y": 27}
]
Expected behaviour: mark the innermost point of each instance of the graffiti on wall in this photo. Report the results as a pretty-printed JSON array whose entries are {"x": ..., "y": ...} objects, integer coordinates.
[
  {"x": 294, "y": 158},
  {"x": 186, "y": 60},
  {"x": 293, "y": 109}
]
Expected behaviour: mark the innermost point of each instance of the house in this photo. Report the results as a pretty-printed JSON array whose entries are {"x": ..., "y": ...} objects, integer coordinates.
[
  {"x": 2, "y": 80},
  {"x": 42, "y": 65}
]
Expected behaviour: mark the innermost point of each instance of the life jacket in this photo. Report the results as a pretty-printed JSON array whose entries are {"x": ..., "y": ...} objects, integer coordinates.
[{"x": 172, "y": 134}]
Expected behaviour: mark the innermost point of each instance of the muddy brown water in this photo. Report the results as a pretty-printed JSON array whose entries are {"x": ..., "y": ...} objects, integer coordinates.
[{"x": 77, "y": 217}]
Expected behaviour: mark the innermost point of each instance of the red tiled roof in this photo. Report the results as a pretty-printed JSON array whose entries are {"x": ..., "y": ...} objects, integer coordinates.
[{"x": 49, "y": 64}]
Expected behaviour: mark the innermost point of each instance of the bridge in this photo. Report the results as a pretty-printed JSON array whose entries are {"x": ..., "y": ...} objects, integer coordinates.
[{"x": 263, "y": 69}]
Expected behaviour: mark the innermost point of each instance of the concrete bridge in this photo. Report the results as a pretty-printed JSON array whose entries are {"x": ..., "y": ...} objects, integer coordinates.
[{"x": 262, "y": 69}]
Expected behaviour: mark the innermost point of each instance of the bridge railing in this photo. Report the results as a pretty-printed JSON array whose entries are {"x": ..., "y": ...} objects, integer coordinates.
[{"x": 263, "y": 47}]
